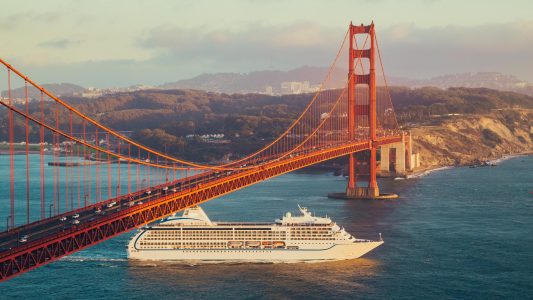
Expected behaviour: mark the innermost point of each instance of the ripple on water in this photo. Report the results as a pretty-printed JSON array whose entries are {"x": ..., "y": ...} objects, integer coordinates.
[{"x": 458, "y": 233}]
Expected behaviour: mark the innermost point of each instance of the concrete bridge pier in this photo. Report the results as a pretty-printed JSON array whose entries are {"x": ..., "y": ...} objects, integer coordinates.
[
  {"x": 354, "y": 191},
  {"x": 369, "y": 192},
  {"x": 397, "y": 159}
]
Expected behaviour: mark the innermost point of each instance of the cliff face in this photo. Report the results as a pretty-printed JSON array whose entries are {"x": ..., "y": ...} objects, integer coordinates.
[{"x": 466, "y": 139}]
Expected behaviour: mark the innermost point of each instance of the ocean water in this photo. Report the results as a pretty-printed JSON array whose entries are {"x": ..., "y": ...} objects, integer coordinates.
[{"x": 457, "y": 233}]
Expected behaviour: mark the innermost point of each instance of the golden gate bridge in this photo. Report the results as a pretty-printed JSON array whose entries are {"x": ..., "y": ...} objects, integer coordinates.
[{"x": 88, "y": 202}]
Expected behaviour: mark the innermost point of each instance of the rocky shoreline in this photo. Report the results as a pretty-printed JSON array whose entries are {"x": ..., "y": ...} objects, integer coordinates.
[
  {"x": 419, "y": 172},
  {"x": 473, "y": 139}
]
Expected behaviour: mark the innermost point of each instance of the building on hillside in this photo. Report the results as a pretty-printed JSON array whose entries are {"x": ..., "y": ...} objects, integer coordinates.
[
  {"x": 92, "y": 93},
  {"x": 295, "y": 87}
]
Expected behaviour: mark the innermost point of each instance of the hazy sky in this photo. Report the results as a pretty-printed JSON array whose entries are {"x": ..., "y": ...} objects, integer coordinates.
[{"x": 116, "y": 43}]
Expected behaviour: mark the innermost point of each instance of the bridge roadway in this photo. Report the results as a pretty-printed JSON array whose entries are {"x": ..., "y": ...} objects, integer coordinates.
[
  {"x": 51, "y": 238},
  {"x": 9, "y": 240}
]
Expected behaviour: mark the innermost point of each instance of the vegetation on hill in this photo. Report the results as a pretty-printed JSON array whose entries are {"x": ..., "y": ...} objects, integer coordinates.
[
  {"x": 424, "y": 104},
  {"x": 174, "y": 119}
]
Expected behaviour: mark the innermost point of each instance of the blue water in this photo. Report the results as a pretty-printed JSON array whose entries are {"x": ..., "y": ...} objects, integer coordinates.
[
  {"x": 459, "y": 233},
  {"x": 66, "y": 201}
]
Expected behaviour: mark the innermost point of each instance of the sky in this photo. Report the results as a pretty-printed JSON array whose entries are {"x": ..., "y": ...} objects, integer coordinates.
[{"x": 118, "y": 43}]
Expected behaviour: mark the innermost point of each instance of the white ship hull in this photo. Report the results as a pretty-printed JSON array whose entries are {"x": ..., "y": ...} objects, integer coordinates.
[
  {"x": 193, "y": 237},
  {"x": 335, "y": 252}
]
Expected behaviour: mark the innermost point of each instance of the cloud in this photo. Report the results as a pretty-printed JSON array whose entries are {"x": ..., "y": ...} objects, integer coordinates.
[
  {"x": 407, "y": 50},
  {"x": 12, "y": 21},
  {"x": 102, "y": 73},
  {"x": 60, "y": 44},
  {"x": 256, "y": 46},
  {"x": 400, "y": 32},
  {"x": 421, "y": 52}
]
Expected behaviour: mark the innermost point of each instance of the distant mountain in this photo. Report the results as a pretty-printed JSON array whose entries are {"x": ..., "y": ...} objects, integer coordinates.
[
  {"x": 257, "y": 81},
  {"x": 58, "y": 89},
  {"x": 492, "y": 80}
]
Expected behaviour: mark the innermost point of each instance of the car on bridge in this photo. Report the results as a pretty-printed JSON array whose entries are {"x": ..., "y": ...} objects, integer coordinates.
[{"x": 24, "y": 238}]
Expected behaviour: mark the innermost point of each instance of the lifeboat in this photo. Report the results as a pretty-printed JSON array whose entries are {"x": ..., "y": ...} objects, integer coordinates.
[
  {"x": 234, "y": 244},
  {"x": 267, "y": 245},
  {"x": 278, "y": 244},
  {"x": 253, "y": 244}
]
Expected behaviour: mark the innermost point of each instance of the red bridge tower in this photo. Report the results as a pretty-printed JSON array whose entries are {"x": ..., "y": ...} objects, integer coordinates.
[{"x": 359, "y": 110}]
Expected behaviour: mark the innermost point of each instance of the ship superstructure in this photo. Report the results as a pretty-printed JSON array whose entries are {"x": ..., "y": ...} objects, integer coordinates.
[{"x": 193, "y": 236}]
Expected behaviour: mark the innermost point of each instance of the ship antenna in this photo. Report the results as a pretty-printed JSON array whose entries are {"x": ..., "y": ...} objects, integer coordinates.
[{"x": 303, "y": 210}]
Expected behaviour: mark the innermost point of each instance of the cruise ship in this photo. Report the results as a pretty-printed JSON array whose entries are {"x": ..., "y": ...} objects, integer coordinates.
[{"x": 194, "y": 237}]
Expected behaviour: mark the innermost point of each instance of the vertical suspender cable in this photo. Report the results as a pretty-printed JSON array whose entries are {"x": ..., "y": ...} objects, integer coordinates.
[
  {"x": 118, "y": 170},
  {"x": 129, "y": 169},
  {"x": 11, "y": 153},
  {"x": 109, "y": 184},
  {"x": 41, "y": 163},
  {"x": 55, "y": 169},
  {"x": 97, "y": 177},
  {"x": 66, "y": 144},
  {"x": 27, "y": 155},
  {"x": 139, "y": 170}
]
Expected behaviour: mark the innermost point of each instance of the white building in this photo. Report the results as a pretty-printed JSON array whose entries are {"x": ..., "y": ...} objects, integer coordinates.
[{"x": 295, "y": 87}]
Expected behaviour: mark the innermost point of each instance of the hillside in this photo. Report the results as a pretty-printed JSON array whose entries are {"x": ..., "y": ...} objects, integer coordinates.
[
  {"x": 248, "y": 121},
  {"x": 256, "y": 81},
  {"x": 466, "y": 139},
  {"x": 58, "y": 89},
  {"x": 459, "y": 126},
  {"x": 493, "y": 80},
  {"x": 174, "y": 119}
]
